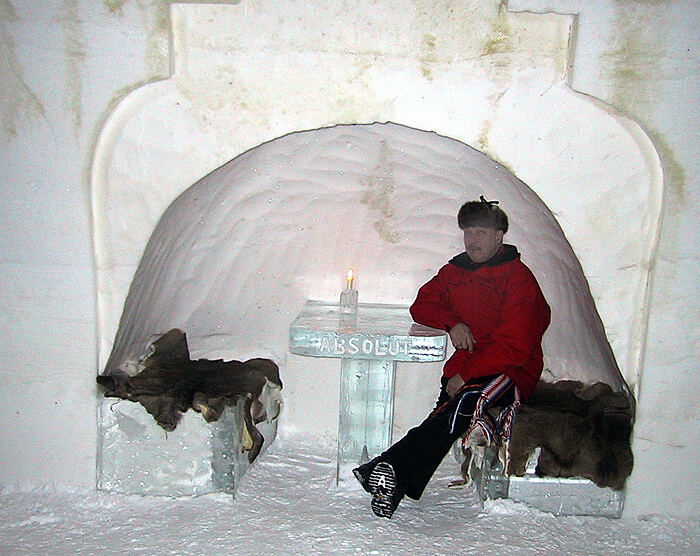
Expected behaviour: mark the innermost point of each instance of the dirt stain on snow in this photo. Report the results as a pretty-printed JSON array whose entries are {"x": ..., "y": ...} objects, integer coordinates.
[
  {"x": 19, "y": 100},
  {"x": 379, "y": 195}
]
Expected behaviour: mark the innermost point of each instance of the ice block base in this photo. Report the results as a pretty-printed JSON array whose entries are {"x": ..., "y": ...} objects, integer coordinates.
[
  {"x": 136, "y": 456},
  {"x": 559, "y": 496}
]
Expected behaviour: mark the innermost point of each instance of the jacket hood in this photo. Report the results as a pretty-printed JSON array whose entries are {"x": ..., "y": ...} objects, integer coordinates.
[{"x": 506, "y": 254}]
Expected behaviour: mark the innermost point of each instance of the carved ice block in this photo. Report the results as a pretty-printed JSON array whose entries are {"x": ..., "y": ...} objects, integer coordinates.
[
  {"x": 368, "y": 343},
  {"x": 136, "y": 456},
  {"x": 556, "y": 495}
]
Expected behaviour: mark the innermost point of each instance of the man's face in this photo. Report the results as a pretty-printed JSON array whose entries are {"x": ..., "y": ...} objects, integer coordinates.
[{"x": 482, "y": 243}]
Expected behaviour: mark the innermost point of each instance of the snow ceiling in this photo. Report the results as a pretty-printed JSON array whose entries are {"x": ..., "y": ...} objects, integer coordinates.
[{"x": 235, "y": 256}]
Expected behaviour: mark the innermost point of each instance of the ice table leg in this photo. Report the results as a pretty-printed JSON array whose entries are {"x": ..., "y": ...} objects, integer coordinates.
[{"x": 366, "y": 411}]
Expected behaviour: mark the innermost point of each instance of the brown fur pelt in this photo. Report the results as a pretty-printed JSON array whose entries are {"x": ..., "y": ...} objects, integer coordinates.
[
  {"x": 170, "y": 383},
  {"x": 582, "y": 431}
]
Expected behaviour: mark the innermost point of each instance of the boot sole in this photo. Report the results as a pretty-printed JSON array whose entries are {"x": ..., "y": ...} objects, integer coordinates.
[{"x": 382, "y": 484}]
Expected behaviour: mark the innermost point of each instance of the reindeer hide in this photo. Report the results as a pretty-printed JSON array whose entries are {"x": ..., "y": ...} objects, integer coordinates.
[
  {"x": 583, "y": 431},
  {"x": 171, "y": 383}
]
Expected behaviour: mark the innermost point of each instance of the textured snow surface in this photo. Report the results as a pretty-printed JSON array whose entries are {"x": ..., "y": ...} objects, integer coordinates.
[
  {"x": 288, "y": 504},
  {"x": 234, "y": 258}
]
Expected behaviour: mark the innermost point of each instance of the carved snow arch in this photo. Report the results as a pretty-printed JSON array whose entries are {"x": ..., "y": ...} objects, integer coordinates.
[{"x": 235, "y": 256}]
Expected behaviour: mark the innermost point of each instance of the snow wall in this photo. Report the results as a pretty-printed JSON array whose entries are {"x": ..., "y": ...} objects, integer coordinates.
[
  {"x": 235, "y": 257},
  {"x": 306, "y": 65}
]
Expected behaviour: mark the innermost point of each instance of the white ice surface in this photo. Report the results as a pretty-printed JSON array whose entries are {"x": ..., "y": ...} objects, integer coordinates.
[{"x": 288, "y": 504}]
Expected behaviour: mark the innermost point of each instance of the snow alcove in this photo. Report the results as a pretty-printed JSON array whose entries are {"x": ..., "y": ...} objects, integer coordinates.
[{"x": 235, "y": 257}]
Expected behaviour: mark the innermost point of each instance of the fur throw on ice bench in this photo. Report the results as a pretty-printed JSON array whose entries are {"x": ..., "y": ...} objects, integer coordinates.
[
  {"x": 582, "y": 431},
  {"x": 170, "y": 383}
]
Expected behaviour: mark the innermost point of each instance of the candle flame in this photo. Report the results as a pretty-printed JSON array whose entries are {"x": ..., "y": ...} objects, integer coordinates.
[{"x": 350, "y": 277}]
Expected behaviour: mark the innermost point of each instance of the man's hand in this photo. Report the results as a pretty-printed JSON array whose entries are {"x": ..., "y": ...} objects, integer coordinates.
[
  {"x": 453, "y": 385},
  {"x": 462, "y": 337}
]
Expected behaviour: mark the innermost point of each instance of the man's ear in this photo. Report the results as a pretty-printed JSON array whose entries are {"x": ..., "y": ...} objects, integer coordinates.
[{"x": 500, "y": 235}]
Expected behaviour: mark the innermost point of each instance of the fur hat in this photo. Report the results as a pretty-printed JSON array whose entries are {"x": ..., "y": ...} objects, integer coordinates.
[{"x": 482, "y": 213}]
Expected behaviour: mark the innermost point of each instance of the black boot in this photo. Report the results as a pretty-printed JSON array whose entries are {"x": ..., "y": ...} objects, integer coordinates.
[{"x": 363, "y": 472}]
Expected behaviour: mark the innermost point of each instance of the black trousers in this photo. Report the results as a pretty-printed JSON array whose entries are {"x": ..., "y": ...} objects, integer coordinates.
[{"x": 416, "y": 457}]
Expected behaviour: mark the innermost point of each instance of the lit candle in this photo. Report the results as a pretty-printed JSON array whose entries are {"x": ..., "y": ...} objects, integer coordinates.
[
  {"x": 350, "y": 277},
  {"x": 348, "y": 296}
]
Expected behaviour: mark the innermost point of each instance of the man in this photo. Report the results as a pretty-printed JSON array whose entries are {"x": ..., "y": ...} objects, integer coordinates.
[{"x": 494, "y": 311}]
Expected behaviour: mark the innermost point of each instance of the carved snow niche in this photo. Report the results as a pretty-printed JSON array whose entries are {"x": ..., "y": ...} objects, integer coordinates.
[{"x": 236, "y": 255}]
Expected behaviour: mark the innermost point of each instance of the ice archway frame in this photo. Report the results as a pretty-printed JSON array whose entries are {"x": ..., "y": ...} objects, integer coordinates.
[
  {"x": 245, "y": 74},
  {"x": 234, "y": 257}
]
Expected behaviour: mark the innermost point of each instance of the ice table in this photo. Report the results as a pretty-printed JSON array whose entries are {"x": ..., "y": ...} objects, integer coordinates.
[{"x": 368, "y": 343}]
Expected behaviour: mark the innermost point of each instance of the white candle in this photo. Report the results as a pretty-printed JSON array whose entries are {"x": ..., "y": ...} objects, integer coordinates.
[
  {"x": 348, "y": 296},
  {"x": 350, "y": 277}
]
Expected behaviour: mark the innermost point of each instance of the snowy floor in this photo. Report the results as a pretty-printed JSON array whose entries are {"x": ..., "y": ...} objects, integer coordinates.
[{"x": 288, "y": 504}]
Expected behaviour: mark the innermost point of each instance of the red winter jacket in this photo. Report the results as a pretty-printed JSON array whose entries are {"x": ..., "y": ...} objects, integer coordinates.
[{"x": 503, "y": 305}]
